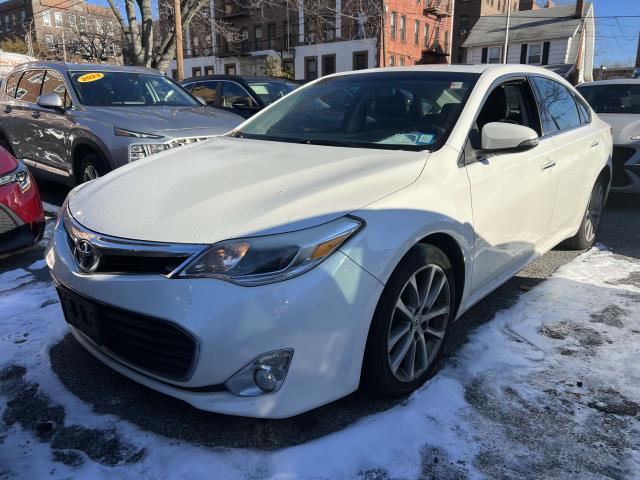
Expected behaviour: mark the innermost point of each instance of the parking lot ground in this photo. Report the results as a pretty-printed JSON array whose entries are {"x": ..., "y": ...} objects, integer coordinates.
[{"x": 542, "y": 380}]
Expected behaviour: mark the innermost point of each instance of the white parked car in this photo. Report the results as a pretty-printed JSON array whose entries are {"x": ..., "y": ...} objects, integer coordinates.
[
  {"x": 617, "y": 102},
  {"x": 332, "y": 239}
]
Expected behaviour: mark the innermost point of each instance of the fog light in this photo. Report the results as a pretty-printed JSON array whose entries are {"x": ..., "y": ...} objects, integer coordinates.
[{"x": 264, "y": 375}]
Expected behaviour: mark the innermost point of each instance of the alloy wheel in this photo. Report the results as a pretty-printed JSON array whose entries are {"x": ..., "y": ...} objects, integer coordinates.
[
  {"x": 419, "y": 323},
  {"x": 594, "y": 211},
  {"x": 90, "y": 173}
]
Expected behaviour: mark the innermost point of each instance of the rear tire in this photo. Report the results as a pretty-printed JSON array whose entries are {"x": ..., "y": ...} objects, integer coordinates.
[
  {"x": 585, "y": 238},
  {"x": 91, "y": 167},
  {"x": 410, "y": 323}
]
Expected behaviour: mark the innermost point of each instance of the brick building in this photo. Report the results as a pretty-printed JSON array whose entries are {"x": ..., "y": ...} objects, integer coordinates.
[{"x": 57, "y": 27}]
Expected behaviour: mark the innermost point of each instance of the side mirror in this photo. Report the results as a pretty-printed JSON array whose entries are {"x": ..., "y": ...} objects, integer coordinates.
[
  {"x": 50, "y": 100},
  {"x": 201, "y": 100},
  {"x": 508, "y": 137}
]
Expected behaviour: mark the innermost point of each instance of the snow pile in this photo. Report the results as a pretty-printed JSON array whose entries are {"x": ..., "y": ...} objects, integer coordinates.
[{"x": 550, "y": 387}]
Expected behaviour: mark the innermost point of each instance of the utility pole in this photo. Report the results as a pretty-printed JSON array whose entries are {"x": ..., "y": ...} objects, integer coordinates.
[
  {"x": 506, "y": 33},
  {"x": 177, "y": 13}
]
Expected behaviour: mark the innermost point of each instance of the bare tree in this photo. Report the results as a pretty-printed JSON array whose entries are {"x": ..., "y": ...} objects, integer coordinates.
[{"x": 96, "y": 42}]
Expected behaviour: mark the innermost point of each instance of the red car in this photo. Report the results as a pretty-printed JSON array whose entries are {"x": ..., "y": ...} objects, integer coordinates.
[{"x": 21, "y": 214}]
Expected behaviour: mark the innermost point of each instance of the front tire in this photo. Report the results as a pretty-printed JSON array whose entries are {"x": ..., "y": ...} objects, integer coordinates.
[
  {"x": 586, "y": 236},
  {"x": 91, "y": 167},
  {"x": 410, "y": 322}
]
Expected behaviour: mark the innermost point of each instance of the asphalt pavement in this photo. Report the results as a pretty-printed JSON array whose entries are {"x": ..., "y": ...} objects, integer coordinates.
[{"x": 163, "y": 415}]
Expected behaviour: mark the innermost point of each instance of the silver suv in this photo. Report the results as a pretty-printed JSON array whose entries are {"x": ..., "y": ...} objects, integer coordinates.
[{"x": 74, "y": 123}]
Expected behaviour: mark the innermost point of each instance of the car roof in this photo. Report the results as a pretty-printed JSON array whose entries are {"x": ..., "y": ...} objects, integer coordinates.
[
  {"x": 245, "y": 78},
  {"x": 618, "y": 81},
  {"x": 86, "y": 67}
]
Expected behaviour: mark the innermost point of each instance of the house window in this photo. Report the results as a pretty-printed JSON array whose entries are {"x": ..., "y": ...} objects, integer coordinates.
[
  {"x": 402, "y": 61},
  {"x": 230, "y": 69},
  {"x": 328, "y": 64},
  {"x": 174, "y": 74},
  {"x": 426, "y": 35},
  {"x": 446, "y": 41},
  {"x": 393, "y": 25},
  {"x": 23, "y": 15},
  {"x": 271, "y": 34},
  {"x": 196, "y": 71},
  {"x": 208, "y": 70},
  {"x": 83, "y": 24},
  {"x": 72, "y": 20},
  {"x": 48, "y": 39},
  {"x": 244, "y": 34},
  {"x": 360, "y": 60},
  {"x": 258, "y": 35},
  {"x": 46, "y": 18},
  {"x": 464, "y": 24},
  {"x": 392, "y": 61},
  {"x": 403, "y": 28},
  {"x": 310, "y": 68},
  {"x": 57, "y": 17},
  {"x": 534, "y": 54},
  {"x": 328, "y": 30},
  {"x": 494, "y": 55},
  {"x": 416, "y": 32}
]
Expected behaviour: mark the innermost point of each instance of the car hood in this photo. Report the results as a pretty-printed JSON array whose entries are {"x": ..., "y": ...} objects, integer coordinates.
[
  {"x": 169, "y": 121},
  {"x": 624, "y": 126},
  {"x": 230, "y": 187}
]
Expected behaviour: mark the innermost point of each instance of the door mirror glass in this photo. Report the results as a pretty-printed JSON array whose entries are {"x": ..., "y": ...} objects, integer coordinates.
[
  {"x": 508, "y": 137},
  {"x": 50, "y": 100}
]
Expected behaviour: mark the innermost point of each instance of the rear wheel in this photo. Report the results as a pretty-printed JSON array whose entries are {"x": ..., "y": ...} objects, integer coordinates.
[
  {"x": 410, "y": 322},
  {"x": 586, "y": 235},
  {"x": 91, "y": 167}
]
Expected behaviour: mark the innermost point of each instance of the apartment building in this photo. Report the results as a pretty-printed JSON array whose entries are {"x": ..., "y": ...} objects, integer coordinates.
[
  {"x": 58, "y": 27},
  {"x": 314, "y": 41}
]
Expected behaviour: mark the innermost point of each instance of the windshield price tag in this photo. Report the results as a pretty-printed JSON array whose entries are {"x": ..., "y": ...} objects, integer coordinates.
[{"x": 90, "y": 77}]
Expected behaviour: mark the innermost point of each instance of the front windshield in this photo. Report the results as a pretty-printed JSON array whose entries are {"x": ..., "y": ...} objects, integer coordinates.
[
  {"x": 621, "y": 98},
  {"x": 393, "y": 110},
  {"x": 127, "y": 89},
  {"x": 271, "y": 90}
]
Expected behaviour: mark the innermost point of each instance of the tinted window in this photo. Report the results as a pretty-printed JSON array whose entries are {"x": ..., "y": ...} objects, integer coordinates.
[
  {"x": 12, "y": 83},
  {"x": 270, "y": 91},
  {"x": 54, "y": 83},
  {"x": 557, "y": 107},
  {"x": 113, "y": 89},
  {"x": 29, "y": 86},
  {"x": 232, "y": 93},
  {"x": 622, "y": 98},
  {"x": 206, "y": 90},
  {"x": 412, "y": 110}
]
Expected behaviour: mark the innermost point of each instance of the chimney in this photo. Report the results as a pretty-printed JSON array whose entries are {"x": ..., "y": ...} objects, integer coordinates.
[{"x": 579, "y": 8}]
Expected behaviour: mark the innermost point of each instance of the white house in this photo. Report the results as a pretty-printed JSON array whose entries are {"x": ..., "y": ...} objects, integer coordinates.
[{"x": 560, "y": 38}]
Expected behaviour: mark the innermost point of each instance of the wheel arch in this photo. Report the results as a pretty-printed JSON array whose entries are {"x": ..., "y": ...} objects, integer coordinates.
[{"x": 80, "y": 149}]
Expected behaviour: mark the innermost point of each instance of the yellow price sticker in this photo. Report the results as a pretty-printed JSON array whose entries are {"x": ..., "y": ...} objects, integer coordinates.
[{"x": 90, "y": 77}]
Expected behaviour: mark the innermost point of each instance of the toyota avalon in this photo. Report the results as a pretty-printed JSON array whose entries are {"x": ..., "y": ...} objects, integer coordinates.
[{"x": 333, "y": 239}]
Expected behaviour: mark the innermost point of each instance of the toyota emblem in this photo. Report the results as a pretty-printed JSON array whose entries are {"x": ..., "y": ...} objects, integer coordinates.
[{"x": 85, "y": 256}]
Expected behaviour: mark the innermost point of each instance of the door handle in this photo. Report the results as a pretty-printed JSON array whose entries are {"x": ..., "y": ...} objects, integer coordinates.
[
  {"x": 548, "y": 165},
  {"x": 595, "y": 144},
  {"x": 7, "y": 109},
  {"x": 35, "y": 114}
]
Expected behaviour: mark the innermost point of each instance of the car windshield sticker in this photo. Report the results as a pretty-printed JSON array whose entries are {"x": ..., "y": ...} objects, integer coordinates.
[
  {"x": 90, "y": 77},
  {"x": 426, "y": 139},
  {"x": 455, "y": 85},
  {"x": 260, "y": 89}
]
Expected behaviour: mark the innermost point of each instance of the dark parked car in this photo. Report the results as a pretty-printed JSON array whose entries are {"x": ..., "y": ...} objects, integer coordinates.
[
  {"x": 243, "y": 95},
  {"x": 21, "y": 215}
]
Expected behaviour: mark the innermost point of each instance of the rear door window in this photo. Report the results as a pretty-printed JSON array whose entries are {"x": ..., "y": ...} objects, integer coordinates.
[
  {"x": 12, "y": 84},
  {"x": 30, "y": 85},
  {"x": 558, "y": 110}
]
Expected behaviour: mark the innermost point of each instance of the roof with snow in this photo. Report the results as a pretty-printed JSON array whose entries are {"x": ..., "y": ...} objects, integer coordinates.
[{"x": 544, "y": 23}]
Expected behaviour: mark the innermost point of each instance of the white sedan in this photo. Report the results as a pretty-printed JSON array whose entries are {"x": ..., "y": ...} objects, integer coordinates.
[
  {"x": 617, "y": 102},
  {"x": 333, "y": 239}
]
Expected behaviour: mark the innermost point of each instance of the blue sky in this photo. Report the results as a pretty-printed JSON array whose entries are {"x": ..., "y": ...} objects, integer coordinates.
[{"x": 616, "y": 36}]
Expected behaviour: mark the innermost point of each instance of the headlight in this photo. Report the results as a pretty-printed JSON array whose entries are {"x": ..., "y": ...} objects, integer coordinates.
[
  {"x": 271, "y": 258},
  {"x": 20, "y": 175},
  {"x": 141, "y": 150}
]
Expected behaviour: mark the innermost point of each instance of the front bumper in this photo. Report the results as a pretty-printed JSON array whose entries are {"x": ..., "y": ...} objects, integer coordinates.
[{"x": 323, "y": 315}]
